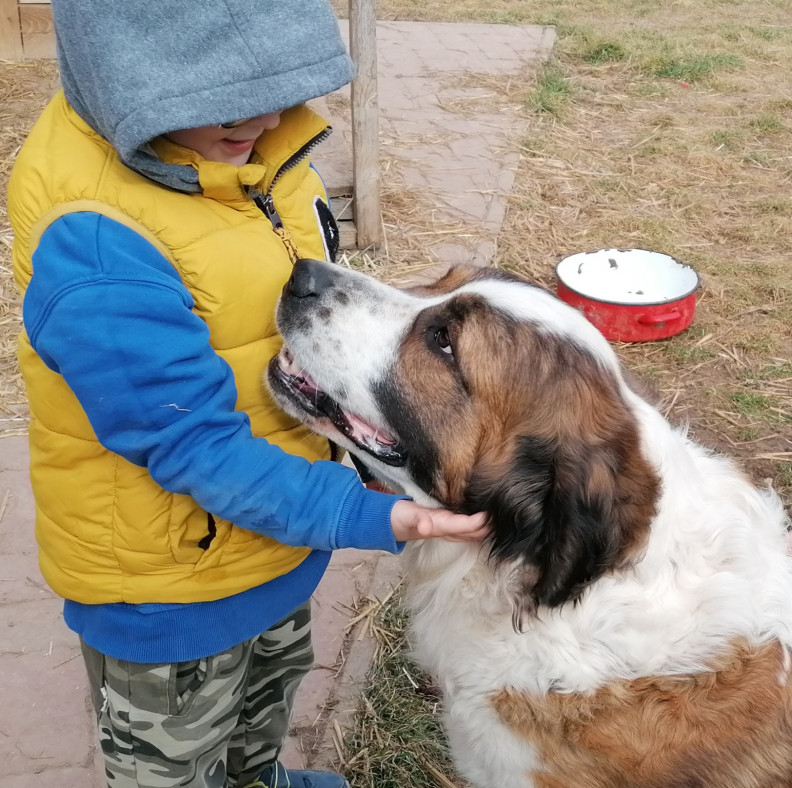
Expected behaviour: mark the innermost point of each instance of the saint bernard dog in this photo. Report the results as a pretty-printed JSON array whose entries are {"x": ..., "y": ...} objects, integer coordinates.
[{"x": 628, "y": 623}]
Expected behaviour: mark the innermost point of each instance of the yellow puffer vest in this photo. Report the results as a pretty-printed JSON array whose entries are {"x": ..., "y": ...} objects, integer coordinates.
[{"x": 106, "y": 531}]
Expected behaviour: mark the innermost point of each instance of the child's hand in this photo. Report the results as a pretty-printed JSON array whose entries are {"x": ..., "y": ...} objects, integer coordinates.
[{"x": 411, "y": 521}]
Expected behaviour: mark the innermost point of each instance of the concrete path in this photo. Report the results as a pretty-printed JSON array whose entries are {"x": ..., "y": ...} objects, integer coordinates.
[
  {"x": 445, "y": 135},
  {"x": 455, "y": 149}
]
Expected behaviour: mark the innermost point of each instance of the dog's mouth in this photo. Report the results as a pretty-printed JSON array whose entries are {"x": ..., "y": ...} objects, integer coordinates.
[{"x": 303, "y": 391}]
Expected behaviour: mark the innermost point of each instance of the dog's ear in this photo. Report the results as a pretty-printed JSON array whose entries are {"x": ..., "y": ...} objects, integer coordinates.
[{"x": 563, "y": 514}]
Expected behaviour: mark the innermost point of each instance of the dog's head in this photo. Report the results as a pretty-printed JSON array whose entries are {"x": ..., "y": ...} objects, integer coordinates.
[{"x": 479, "y": 392}]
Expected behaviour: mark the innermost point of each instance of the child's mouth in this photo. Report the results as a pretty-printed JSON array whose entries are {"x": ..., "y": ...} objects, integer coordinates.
[{"x": 238, "y": 146}]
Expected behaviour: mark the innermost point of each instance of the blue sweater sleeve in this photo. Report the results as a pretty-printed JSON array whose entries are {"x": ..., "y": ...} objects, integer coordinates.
[{"x": 108, "y": 312}]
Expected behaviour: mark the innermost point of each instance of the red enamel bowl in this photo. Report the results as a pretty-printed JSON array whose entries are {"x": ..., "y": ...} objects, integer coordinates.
[{"x": 630, "y": 295}]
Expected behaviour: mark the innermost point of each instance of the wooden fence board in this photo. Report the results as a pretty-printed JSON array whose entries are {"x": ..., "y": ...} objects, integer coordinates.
[
  {"x": 38, "y": 35},
  {"x": 365, "y": 123},
  {"x": 10, "y": 33}
]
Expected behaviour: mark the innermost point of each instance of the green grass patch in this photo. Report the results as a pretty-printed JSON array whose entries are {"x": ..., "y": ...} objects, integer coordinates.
[
  {"x": 770, "y": 33},
  {"x": 756, "y": 343},
  {"x": 690, "y": 69},
  {"x": 783, "y": 480},
  {"x": 649, "y": 89},
  {"x": 779, "y": 105},
  {"x": 758, "y": 406},
  {"x": 773, "y": 206},
  {"x": 514, "y": 17},
  {"x": 604, "y": 52},
  {"x": 684, "y": 354},
  {"x": 772, "y": 371},
  {"x": 728, "y": 139},
  {"x": 749, "y": 403},
  {"x": 552, "y": 91},
  {"x": 767, "y": 124},
  {"x": 759, "y": 158},
  {"x": 535, "y": 146}
]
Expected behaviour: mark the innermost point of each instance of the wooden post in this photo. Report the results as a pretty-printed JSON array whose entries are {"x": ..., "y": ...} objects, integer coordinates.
[
  {"x": 365, "y": 123},
  {"x": 10, "y": 31},
  {"x": 38, "y": 33}
]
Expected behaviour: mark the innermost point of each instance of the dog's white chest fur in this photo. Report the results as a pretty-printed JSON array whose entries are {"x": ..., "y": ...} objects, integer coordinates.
[{"x": 711, "y": 573}]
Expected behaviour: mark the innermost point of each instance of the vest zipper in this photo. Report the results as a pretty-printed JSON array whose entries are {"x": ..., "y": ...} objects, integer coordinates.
[{"x": 267, "y": 205}]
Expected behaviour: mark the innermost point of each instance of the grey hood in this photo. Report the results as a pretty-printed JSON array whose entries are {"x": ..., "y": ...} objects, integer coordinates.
[{"x": 135, "y": 69}]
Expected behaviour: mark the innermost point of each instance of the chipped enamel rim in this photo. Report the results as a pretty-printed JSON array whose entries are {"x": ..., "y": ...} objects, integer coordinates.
[{"x": 627, "y": 276}]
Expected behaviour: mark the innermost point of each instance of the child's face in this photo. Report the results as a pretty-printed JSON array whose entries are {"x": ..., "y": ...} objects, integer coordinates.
[{"x": 232, "y": 146}]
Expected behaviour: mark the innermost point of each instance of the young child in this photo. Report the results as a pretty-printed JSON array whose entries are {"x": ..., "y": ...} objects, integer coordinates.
[{"x": 158, "y": 206}]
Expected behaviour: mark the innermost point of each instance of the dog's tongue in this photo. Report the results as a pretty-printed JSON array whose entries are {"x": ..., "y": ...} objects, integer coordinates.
[
  {"x": 359, "y": 429},
  {"x": 363, "y": 430},
  {"x": 302, "y": 379}
]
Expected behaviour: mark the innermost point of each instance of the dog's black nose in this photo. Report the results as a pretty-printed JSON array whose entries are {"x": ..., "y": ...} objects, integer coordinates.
[{"x": 309, "y": 279}]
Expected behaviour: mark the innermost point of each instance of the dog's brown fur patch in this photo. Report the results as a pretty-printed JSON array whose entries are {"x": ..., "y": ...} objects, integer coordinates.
[
  {"x": 666, "y": 732},
  {"x": 557, "y": 395}
]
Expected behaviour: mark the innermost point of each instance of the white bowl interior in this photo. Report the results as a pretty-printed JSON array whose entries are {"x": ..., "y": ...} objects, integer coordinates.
[{"x": 627, "y": 276}]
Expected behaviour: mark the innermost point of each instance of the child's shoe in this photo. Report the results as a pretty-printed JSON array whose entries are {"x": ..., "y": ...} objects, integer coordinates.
[{"x": 277, "y": 776}]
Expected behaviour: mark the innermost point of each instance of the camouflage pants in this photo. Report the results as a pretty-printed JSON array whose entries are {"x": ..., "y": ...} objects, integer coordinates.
[{"x": 206, "y": 723}]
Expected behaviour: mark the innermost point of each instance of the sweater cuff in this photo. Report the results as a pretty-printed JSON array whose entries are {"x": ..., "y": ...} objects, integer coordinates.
[{"x": 365, "y": 521}]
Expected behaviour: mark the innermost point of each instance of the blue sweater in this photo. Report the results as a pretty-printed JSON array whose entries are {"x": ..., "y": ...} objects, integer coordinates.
[{"x": 109, "y": 313}]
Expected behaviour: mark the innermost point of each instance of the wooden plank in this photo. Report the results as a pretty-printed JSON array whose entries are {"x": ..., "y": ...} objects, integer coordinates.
[
  {"x": 10, "y": 34},
  {"x": 38, "y": 34},
  {"x": 340, "y": 188},
  {"x": 344, "y": 207},
  {"x": 365, "y": 122},
  {"x": 36, "y": 2},
  {"x": 347, "y": 237}
]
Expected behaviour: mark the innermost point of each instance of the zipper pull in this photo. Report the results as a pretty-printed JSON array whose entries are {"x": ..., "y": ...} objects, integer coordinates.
[{"x": 267, "y": 206}]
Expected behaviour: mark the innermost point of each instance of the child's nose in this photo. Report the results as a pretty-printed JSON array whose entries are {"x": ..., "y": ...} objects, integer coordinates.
[{"x": 270, "y": 121}]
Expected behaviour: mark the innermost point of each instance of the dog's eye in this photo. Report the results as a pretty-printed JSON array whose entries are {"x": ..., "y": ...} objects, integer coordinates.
[{"x": 443, "y": 341}]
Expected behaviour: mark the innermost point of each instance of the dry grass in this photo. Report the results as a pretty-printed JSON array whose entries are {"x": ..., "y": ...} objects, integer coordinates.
[
  {"x": 617, "y": 169},
  {"x": 397, "y": 740},
  {"x": 24, "y": 89},
  {"x": 412, "y": 230}
]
